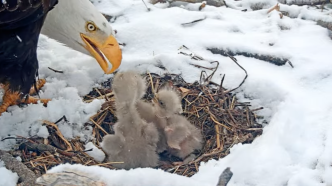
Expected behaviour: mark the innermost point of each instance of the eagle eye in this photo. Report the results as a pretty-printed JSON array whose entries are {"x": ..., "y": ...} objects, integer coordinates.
[{"x": 91, "y": 27}]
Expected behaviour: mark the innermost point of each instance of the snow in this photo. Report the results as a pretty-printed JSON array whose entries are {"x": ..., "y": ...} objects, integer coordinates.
[
  {"x": 133, "y": 177},
  {"x": 96, "y": 153},
  {"x": 296, "y": 145},
  {"x": 7, "y": 177}
]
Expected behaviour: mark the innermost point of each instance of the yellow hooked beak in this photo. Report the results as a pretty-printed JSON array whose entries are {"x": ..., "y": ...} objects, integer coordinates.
[{"x": 107, "y": 54}]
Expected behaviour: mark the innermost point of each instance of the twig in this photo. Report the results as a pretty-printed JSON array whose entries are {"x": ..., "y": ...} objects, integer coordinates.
[
  {"x": 69, "y": 148},
  {"x": 290, "y": 63},
  {"x": 63, "y": 118},
  {"x": 195, "y": 21},
  {"x": 43, "y": 147},
  {"x": 260, "y": 108},
  {"x": 109, "y": 163},
  {"x": 235, "y": 61},
  {"x": 56, "y": 71},
  {"x": 276, "y": 7},
  {"x": 146, "y": 5},
  {"x": 97, "y": 125},
  {"x": 218, "y": 136},
  {"x": 221, "y": 83},
  {"x": 208, "y": 79},
  {"x": 225, "y": 3},
  {"x": 202, "y": 5},
  {"x": 152, "y": 87},
  {"x": 217, "y": 122},
  {"x": 199, "y": 66}
]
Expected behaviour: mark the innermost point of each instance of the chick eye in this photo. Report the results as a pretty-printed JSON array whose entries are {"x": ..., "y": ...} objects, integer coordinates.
[
  {"x": 91, "y": 27},
  {"x": 161, "y": 103}
]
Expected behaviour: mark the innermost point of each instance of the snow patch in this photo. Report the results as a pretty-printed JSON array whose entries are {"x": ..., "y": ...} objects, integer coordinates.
[
  {"x": 7, "y": 177},
  {"x": 96, "y": 153}
]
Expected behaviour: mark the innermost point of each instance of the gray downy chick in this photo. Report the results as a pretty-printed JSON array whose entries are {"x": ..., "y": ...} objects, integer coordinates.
[
  {"x": 135, "y": 140},
  {"x": 182, "y": 137},
  {"x": 165, "y": 104},
  {"x": 179, "y": 136}
]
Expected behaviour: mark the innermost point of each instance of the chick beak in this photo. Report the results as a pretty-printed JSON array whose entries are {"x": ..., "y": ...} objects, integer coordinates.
[{"x": 107, "y": 54}]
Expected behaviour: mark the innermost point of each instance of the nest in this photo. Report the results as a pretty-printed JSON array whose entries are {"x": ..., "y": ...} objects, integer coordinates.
[{"x": 216, "y": 111}]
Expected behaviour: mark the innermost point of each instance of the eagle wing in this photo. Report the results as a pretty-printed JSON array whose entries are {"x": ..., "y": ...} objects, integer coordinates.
[{"x": 14, "y": 12}]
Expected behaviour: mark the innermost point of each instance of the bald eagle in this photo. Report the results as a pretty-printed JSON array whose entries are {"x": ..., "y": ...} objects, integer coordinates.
[{"x": 75, "y": 23}]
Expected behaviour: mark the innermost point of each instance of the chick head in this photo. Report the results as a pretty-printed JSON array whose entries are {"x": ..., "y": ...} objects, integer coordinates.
[
  {"x": 128, "y": 86},
  {"x": 168, "y": 102}
]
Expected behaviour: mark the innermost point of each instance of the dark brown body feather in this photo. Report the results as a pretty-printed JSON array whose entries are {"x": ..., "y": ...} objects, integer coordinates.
[{"x": 20, "y": 25}]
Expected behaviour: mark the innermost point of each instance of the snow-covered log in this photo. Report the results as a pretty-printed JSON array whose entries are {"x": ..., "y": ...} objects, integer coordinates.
[
  {"x": 304, "y": 2},
  {"x": 219, "y": 3},
  {"x": 216, "y": 3},
  {"x": 268, "y": 58}
]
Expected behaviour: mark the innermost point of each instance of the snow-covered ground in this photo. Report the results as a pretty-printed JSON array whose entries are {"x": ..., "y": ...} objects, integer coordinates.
[
  {"x": 7, "y": 177},
  {"x": 296, "y": 146}
]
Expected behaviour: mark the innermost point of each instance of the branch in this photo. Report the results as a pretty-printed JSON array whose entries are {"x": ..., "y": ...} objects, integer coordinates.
[
  {"x": 26, "y": 175},
  {"x": 56, "y": 71},
  {"x": 270, "y": 59},
  {"x": 38, "y": 147}
]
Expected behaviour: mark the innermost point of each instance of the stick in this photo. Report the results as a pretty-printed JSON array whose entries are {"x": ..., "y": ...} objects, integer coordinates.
[
  {"x": 63, "y": 118},
  {"x": 218, "y": 135},
  {"x": 58, "y": 133},
  {"x": 235, "y": 61},
  {"x": 290, "y": 63},
  {"x": 146, "y": 5},
  {"x": 56, "y": 71},
  {"x": 195, "y": 21},
  {"x": 101, "y": 128},
  {"x": 276, "y": 7},
  {"x": 152, "y": 87},
  {"x": 42, "y": 148}
]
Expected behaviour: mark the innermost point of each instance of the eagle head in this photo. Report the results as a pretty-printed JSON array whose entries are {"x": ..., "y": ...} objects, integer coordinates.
[{"x": 79, "y": 25}]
